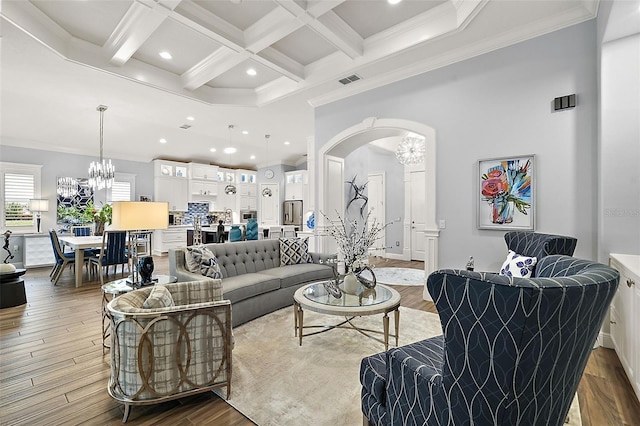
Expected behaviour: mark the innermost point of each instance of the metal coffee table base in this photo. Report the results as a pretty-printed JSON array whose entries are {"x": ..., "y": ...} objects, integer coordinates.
[{"x": 298, "y": 317}]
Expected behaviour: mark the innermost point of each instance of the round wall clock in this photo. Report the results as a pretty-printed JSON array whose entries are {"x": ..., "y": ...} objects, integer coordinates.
[{"x": 268, "y": 174}]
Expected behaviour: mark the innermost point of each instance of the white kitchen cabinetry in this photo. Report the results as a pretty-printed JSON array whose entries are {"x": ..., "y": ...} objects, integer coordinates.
[
  {"x": 199, "y": 189},
  {"x": 38, "y": 251},
  {"x": 248, "y": 203},
  {"x": 172, "y": 237},
  {"x": 625, "y": 316},
  {"x": 203, "y": 172},
  {"x": 296, "y": 185},
  {"x": 171, "y": 184}
]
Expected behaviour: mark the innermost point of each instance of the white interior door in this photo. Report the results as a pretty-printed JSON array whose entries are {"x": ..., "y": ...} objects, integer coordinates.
[
  {"x": 376, "y": 194},
  {"x": 418, "y": 216},
  {"x": 269, "y": 206}
]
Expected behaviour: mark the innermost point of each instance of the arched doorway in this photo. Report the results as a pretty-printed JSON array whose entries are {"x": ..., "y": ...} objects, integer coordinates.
[{"x": 330, "y": 166}]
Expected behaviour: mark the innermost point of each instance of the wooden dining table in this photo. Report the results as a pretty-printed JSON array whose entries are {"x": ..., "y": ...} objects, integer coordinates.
[{"x": 79, "y": 244}]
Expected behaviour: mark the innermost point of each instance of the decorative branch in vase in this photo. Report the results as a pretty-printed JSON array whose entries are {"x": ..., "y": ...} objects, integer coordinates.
[{"x": 354, "y": 241}]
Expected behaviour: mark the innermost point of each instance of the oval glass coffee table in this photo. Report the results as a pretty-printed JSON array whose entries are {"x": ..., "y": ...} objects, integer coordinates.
[{"x": 379, "y": 300}]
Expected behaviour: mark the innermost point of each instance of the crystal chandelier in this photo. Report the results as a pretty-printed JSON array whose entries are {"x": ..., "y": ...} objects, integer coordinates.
[
  {"x": 67, "y": 187},
  {"x": 101, "y": 173},
  {"x": 411, "y": 150},
  {"x": 230, "y": 189}
]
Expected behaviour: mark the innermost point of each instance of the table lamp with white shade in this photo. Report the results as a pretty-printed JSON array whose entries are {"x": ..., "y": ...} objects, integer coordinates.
[
  {"x": 135, "y": 217},
  {"x": 37, "y": 207}
]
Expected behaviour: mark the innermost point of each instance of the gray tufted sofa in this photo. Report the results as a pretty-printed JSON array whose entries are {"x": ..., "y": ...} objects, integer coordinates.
[{"x": 253, "y": 279}]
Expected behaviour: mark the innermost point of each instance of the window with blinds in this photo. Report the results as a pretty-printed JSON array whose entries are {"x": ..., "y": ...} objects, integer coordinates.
[
  {"x": 121, "y": 191},
  {"x": 18, "y": 190}
]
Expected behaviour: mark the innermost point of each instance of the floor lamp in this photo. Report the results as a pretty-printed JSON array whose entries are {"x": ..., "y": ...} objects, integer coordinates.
[
  {"x": 136, "y": 217},
  {"x": 37, "y": 207}
]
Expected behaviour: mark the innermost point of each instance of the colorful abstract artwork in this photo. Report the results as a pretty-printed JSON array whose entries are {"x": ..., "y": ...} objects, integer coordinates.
[{"x": 506, "y": 193}]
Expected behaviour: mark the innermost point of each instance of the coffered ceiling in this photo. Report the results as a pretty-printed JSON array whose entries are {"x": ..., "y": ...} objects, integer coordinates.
[{"x": 61, "y": 59}]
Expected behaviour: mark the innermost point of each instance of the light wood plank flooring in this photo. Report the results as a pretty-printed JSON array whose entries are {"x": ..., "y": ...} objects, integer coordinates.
[{"x": 53, "y": 372}]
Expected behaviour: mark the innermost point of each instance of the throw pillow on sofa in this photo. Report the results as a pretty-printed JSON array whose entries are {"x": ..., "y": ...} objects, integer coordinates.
[
  {"x": 294, "y": 251},
  {"x": 159, "y": 297},
  {"x": 201, "y": 260},
  {"x": 518, "y": 266}
]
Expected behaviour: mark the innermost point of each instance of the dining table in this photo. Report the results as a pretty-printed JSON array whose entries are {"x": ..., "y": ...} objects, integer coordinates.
[{"x": 78, "y": 245}]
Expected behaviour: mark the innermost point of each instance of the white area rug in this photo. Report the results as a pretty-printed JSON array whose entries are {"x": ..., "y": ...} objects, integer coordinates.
[
  {"x": 277, "y": 382},
  {"x": 397, "y": 276}
]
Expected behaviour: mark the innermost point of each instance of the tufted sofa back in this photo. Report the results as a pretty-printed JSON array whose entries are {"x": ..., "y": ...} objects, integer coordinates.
[{"x": 244, "y": 257}]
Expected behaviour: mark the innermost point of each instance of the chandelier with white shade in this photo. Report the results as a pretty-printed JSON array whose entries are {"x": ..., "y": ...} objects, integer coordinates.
[
  {"x": 101, "y": 173},
  {"x": 411, "y": 150}
]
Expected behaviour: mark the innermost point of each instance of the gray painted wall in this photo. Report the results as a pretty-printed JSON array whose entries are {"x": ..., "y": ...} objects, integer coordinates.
[{"x": 500, "y": 104}]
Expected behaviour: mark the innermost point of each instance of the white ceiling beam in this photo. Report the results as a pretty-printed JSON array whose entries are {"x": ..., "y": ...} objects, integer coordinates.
[
  {"x": 137, "y": 25},
  {"x": 214, "y": 65},
  {"x": 208, "y": 24},
  {"x": 273, "y": 27},
  {"x": 337, "y": 32},
  {"x": 281, "y": 63}
]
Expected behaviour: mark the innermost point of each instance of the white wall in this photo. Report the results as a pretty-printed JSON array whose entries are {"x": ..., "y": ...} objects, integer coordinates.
[
  {"x": 500, "y": 104},
  {"x": 619, "y": 208}
]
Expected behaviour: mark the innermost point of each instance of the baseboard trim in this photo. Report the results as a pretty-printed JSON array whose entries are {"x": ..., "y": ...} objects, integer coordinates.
[{"x": 605, "y": 340}]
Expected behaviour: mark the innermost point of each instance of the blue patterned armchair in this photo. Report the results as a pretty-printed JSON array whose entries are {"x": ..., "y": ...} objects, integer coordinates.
[
  {"x": 512, "y": 353},
  {"x": 534, "y": 244}
]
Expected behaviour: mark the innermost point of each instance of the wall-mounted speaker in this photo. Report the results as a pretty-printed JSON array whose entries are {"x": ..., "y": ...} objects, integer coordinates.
[{"x": 564, "y": 102}]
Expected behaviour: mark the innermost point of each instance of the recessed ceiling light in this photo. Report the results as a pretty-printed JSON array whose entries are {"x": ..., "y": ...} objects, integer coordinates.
[
  {"x": 190, "y": 118},
  {"x": 252, "y": 71},
  {"x": 287, "y": 143},
  {"x": 165, "y": 55},
  {"x": 212, "y": 149},
  {"x": 245, "y": 132},
  {"x": 163, "y": 140},
  {"x": 393, "y": 1},
  {"x": 230, "y": 150},
  {"x": 253, "y": 157}
]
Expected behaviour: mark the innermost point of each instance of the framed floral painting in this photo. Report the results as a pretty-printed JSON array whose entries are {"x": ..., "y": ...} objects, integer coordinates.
[{"x": 506, "y": 193}]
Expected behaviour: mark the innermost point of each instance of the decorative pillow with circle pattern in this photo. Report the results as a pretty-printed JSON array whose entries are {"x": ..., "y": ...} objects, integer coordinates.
[{"x": 518, "y": 266}]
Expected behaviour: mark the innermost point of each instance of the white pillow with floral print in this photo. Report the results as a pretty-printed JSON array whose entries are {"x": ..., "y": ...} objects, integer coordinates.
[{"x": 518, "y": 266}]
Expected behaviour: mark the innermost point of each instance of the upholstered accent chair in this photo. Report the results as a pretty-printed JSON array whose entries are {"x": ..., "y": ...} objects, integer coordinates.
[
  {"x": 535, "y": 244},
  {"x": 164, "y": 353},
  {"x": 512, "y": 353}
]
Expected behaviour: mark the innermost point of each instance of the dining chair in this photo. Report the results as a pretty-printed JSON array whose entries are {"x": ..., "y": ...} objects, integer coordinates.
[
  {"x": 288, "y": 231},
  {"x": 62, "y": 259},
  {"x": 81, "y": 231},
  {"x": 275, "y": 232},
  {"x": 113, "y": 253}
]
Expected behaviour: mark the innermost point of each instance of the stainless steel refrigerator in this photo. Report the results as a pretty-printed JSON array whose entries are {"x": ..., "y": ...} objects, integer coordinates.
[{"x": 292, "y": 213}]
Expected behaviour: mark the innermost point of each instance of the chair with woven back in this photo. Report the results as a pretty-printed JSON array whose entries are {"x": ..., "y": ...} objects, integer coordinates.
[{"x": 113, "y": 253}]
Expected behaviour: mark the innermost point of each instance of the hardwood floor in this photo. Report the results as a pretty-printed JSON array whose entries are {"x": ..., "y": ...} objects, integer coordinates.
[{"x": 53, "y": 372}]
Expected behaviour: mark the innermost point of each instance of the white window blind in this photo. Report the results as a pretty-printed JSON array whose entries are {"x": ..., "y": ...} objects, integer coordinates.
[
  {"x": 18, "y": 190},
  {"x": 121, "y": 191}
]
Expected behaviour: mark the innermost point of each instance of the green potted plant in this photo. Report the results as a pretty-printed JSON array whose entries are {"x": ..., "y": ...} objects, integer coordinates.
[{"x": 103, "y": 217}]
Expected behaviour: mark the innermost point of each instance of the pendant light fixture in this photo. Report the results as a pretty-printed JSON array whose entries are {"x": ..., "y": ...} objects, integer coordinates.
[
  {"x": 101, "y": 173},
  {"x": 230, "y": 189},
  {"x": 266, "y": 192},
  {"x": 411, "y": 150},
  {"x": 67, "y": 187}
]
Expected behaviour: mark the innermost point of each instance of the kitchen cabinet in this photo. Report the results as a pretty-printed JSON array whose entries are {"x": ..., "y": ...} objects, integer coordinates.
[
  {"x": 172, "y": 190},
  {"x": 296, "y": 185},
  {"x": 625, "y": 316},
  {"x": 200, "y": 188},
  {"x": 170, "y": 238},
  {"x": 248, "y": 203},
  {"x": 165, "y": 168},
  {"x": 206, "y": 172}
]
